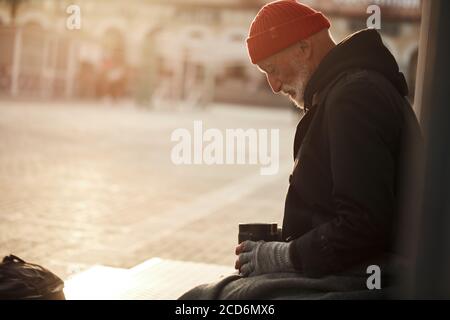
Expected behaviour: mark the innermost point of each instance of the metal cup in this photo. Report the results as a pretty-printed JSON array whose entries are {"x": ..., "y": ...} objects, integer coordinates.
[{"x": 258, "y": 231}]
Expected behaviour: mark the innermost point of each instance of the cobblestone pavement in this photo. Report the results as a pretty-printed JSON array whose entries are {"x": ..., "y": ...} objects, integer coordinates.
[{"x": 86, "y": 184}]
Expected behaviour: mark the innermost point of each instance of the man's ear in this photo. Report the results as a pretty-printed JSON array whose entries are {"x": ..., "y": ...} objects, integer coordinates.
[{"x": 305, "y": 49}]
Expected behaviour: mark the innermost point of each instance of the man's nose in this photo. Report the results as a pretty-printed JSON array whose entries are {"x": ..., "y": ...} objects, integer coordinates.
[{"x": 274, "y": 83}]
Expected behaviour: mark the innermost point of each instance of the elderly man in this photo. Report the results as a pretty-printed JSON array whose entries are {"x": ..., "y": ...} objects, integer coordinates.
[{"x": 342, "y": 203}]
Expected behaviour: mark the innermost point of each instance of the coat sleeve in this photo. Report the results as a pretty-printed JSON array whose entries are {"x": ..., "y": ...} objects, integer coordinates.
[{"x": 361, "y": 131}]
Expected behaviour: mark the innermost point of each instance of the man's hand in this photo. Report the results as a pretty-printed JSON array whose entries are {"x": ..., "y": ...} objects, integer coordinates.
[{"x": 261, "y": 257}]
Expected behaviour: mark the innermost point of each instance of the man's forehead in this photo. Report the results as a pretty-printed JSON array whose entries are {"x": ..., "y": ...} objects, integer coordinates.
[{"x": 272, "y": 60}]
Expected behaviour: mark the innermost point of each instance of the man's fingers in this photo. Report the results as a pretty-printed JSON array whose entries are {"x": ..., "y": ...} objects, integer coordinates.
[
  {"x": 237, "y": 264},
  {"x": 246, "y": 269},
  {"x": 245, "y": 246},
  {"x": 245, "y": 257},
  {"x": 239, "y": 248},
  {"x": 245, "y": 254}
]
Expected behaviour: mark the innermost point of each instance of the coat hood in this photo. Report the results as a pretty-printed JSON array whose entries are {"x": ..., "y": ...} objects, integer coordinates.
[{"x": 363, "y": 50}]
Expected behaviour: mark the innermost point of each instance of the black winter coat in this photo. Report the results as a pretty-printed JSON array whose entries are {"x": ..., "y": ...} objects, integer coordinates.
[{"x": 343, "y": 200}]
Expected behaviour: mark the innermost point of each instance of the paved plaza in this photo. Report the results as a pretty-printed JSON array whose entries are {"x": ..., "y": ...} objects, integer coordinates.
[{"x": 85, "y": 184}]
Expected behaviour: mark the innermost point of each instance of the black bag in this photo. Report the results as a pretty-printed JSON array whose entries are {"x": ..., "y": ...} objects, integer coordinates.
[{"x": 23, "y": 280}]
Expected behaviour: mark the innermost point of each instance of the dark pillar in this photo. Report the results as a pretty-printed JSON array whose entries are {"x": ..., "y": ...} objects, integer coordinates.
[{"x": 431, "y": 278}]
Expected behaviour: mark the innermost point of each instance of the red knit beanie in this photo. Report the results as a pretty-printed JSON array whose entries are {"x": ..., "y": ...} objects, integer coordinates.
[{"x": 280, "y": 24}]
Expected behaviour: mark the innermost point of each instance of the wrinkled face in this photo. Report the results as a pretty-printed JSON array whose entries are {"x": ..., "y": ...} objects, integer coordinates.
[{"x": 287, "y": 73}]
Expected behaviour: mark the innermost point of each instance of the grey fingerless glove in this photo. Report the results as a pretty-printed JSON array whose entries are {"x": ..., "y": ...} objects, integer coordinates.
[{"x": 265, "y": 257}]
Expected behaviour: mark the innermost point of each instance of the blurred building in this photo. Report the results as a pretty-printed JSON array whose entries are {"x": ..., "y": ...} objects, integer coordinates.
[{"x": 164, "y": 51}]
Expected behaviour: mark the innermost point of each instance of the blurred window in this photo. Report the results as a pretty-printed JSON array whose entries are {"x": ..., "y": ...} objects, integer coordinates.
[
  {"x": 392, "y": 29},
  {"x": 236, "y": 72},
  {"x": 237, "y": 37}
]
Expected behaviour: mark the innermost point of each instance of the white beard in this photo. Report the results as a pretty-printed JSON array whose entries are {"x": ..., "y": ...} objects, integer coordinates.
[{"x": 296, "y": 90}]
